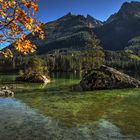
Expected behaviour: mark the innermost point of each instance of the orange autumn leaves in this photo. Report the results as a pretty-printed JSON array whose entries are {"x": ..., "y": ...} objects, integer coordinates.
[
  {"x": 17, "y": 19},
  {"x": 25, "y": 47}
]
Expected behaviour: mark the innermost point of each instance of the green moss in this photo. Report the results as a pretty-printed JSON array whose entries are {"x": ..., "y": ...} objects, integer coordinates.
[
  {"x": 97, "y": 74},
  {"x": 132, "y": 56},
  {"x": 119, "y": 77},
  {"x": 128, "y": 51}
]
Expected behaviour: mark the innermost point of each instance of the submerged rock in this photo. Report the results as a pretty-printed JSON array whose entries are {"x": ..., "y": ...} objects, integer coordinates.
[
  {"x": 107, "y": 78},
  {"x": 5, "y": 91},
  {"x": 34, "y": 78}
]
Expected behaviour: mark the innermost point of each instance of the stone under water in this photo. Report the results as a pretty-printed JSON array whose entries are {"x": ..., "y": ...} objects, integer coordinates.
[{"x": 5, "y": 91}]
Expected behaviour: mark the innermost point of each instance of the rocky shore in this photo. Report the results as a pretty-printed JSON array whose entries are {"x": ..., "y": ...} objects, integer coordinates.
[{"x": 5, "y": 91}]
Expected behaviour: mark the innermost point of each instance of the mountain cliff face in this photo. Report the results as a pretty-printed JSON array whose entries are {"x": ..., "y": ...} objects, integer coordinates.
[
  {"x": 95, "y": 22},
  {"x": 127, "y": 11},
  {"x": 120, "y": 27},
  {"x": 70, "y": 31}
]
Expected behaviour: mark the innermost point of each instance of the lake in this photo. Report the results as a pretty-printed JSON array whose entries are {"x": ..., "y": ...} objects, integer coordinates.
[{"x": 55, "y": 112}]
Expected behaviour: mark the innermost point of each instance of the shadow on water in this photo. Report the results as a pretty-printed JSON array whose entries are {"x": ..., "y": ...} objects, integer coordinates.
[{"x": 55, "y": 112}]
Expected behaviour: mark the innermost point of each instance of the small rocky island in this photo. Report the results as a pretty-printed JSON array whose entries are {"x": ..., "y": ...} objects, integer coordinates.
[
  {"x": 34, "y": 72},
  {"x": 33, "y": 78},
  {"x": 107, "y": 78}
]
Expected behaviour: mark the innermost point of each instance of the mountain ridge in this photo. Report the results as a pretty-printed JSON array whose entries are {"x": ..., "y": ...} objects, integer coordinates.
[
  {"x": 74, "y": 31},
  {"x": 120, "y": 27}
]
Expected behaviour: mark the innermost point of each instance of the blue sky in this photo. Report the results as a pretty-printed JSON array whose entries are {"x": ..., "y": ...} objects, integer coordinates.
[{"x": 100, "y": 9}]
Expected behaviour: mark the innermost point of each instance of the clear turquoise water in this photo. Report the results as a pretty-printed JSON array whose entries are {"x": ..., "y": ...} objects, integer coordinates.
[{"x": 54, "y": 112}]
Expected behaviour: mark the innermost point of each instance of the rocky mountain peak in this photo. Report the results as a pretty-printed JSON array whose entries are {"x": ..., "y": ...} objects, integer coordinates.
[
  {"x": 67, "y": 16},
  {"x": 130, "y": 9},
  {"x": 89, "y": 20},
  {"x": 127, "y": 11},
  {"x": 94, "y": 21}
]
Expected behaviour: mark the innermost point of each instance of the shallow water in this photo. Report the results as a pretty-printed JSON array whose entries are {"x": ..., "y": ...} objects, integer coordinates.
[{"x": 53, "y": 112}]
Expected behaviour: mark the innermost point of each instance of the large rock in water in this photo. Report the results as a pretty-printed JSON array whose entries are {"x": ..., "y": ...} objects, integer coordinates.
[
  {"x": 33, "y": 78},
  {"x": 107, "y": 78}
]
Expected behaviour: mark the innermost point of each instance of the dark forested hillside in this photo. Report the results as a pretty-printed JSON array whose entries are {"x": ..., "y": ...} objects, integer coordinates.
[{"x": 133, "y": 48}]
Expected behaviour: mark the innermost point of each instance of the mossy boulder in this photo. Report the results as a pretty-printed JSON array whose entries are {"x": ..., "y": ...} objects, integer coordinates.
[
  {"x": 33, "y": 78},
  {"x": 107, "y": 78}
]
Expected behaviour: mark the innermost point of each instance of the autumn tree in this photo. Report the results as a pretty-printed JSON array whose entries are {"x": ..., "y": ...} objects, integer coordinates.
[{"x": 17, "y": 19}]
